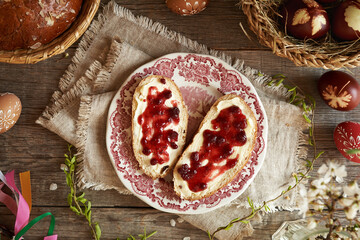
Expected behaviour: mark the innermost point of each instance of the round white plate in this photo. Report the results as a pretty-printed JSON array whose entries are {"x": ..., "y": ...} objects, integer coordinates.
[{"x": 201, "y": 79}]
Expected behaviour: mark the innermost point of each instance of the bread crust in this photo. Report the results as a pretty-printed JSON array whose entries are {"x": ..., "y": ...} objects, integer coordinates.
[
  {"x": 229, "y": 174},
  {"x": 183, "y": 115},
  {"x": 30, "y": 24}
]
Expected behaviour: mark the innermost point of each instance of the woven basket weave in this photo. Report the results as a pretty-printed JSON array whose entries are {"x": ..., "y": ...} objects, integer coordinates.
[
  {"x": 59, "y": 44},
  {"x": 263, "y": 22}
]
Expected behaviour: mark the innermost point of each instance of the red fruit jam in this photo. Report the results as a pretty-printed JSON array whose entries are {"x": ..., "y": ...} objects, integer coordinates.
[
  {"x": 217, "y": 148},
  {"x": 153, "y": 121}
]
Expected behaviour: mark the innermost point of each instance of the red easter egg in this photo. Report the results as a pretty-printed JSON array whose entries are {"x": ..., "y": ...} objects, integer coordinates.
[
  {"x": 186, "y": 7},
  {"x": 347, "y": 137},
  {"x": 346, "y": 20},
  {"x": 339, "y": 90},
  {"x": 305, "y": 19}
]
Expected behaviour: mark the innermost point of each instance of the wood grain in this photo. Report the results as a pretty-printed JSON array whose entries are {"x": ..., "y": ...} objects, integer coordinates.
[{"x": 30, "y": 147}]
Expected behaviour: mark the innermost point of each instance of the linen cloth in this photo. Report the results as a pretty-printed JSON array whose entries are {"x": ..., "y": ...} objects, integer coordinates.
[{"x": 115, "y": 45}]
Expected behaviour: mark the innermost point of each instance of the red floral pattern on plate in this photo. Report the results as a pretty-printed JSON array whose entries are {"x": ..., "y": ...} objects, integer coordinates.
[{"x": 201, "y": 80}]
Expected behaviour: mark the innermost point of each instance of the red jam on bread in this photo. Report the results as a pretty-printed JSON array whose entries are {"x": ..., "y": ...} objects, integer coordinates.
[
  {"x": 216, "y": 150},
  {"x": 154, "y": 120},
  {"x": 159, "y": 124},
  {"x": 219, "y": 150}
]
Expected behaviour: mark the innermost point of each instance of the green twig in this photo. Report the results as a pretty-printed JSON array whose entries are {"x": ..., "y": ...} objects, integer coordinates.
[
  {"x": 142, "y": 236},
  {"x": 81, "y": 206},
  {"x": 77, "y": 203}
]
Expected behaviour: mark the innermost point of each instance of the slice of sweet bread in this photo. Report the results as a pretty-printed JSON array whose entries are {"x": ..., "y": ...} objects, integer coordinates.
[
  {"x": 159, "y": 124},
  {"x": 219, "y": 150}
]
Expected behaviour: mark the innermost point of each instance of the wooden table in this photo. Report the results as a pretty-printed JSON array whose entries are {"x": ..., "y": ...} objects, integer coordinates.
[{"x": 28, "y": 146}]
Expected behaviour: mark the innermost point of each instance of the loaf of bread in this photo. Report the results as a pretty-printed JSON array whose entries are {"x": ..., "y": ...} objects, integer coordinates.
[
  {"x": 219, "y": 150},
  {"x": 159, "y": 124},
  {"x": 30, "y": 24}
]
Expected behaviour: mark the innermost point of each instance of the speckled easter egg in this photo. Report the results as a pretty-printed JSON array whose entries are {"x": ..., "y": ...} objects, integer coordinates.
[
  {"x": 10, "y": 109},
  {"x": 186, "y": 7},
  {"x": 347, "y": 137}
]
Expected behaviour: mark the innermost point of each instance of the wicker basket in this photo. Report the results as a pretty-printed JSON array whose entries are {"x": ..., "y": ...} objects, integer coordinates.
[
  {"x": 59, "y": 44},
  {"x": 263, "y": 21}
]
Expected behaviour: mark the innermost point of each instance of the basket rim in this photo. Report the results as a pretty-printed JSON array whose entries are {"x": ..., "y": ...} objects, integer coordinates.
[
  {"x": 60, "y": 43},
  {"x": 283, "y": 47}
]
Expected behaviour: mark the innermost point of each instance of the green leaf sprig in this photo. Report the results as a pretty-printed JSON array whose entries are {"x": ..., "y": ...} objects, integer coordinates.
[
  {"x": 77, "y": 203},
  {"x": 142, "y": 236},
  {"x": 298, "y": 98}
]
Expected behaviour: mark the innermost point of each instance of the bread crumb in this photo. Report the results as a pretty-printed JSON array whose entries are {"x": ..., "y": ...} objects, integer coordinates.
[
  {"x": 64, "y": 167},
  {"x": 172, "y": 222},
  {"x": 186, "y": 238},
  {"x": 180, "y": 220},
  {"x": 53, "y": 186}
]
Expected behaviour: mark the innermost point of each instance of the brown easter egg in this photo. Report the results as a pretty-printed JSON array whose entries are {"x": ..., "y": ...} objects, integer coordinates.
[
  {"x": 305, "y": 19},
  {"x": 346, "y": 20},
  {"x": 347, "y": 138},
  {"x": 339, "y": 90},
  {"x": 186, "y": 7},
  {"x": 10, "y": 109}
]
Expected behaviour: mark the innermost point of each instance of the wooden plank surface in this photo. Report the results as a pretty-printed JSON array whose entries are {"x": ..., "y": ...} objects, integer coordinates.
[{"x": 30, "y": 147}]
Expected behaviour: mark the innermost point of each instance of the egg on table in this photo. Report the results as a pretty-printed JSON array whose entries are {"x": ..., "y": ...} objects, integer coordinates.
[
  {"x": 346, "y": 20},
  {"x": 305, "y": 19},
  {"x": 347, "y": 139},
  {"x": 10, "y": 109},
  {"x": 339, "y": 90},
  {"x": 186, "y": 7}
]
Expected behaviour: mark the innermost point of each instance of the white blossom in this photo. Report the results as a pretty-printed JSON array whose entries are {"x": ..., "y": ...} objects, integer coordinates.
[
  {"x": 351, "y": 211},
  {"x": 311, "y": 223},
  {"x": 329, "y": 194},
  {"x": 351, "y": 200},
  {"x": 351, "y": 194},
  {"x": 318, "y": 188},
  {"x": 318, "y": 205},
  {"x": 333, "y": 169},
  {"x": 352, "y": 190}
]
